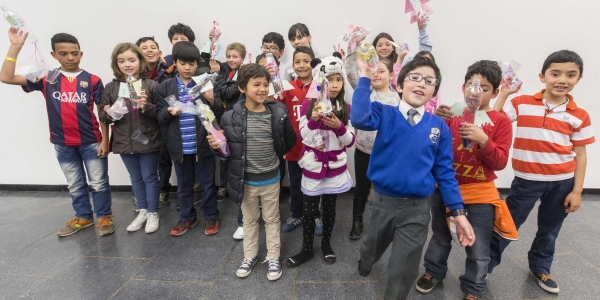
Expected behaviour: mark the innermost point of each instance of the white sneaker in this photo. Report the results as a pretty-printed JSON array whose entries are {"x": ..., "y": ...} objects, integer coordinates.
[
  {"x": 239, "y": 233},
  {"x": 152, "y": 224},
  {"x": 139, "y": 221}
]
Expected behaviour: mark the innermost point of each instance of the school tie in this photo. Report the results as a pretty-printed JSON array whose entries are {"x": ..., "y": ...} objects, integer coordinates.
[{"x": 411, "y": 116}]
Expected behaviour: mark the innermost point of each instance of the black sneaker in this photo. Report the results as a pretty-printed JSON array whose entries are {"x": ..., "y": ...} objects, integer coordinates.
[
  {"x": 221, "y": 194},
  {"x": 546, "y": 282},
  {"x": 134, "y": 203},
  {"x": 426, "y": 283},
  {"x": 163, "y": 199},
  {"x": 362, "y": 270}
]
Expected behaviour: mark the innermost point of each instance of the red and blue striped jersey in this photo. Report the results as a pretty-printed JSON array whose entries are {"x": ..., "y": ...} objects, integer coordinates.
[{"x": 70, "y": 105}]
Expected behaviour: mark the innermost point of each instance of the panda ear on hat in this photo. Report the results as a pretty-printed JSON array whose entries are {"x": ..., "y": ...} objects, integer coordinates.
[{"x": 315, "y": 62}]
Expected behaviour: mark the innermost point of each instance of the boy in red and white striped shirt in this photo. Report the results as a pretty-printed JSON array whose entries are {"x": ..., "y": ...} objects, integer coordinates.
[{"x": 549, "y": 159}]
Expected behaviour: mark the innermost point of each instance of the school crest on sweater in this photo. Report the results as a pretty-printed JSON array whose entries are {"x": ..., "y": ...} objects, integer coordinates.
[{"x": 434, "y": 136}]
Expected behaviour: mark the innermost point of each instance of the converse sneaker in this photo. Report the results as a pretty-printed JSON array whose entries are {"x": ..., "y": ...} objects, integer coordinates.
[
  {"x": 275, "y": 271},
  {"x": 426, "y": 283},
  {"x": 152, "y": 223},
  {"x": 239, "y": 233},
  {"x": 291, "y": 224},
  {"x": 546, "y": 282},
  {"x": 74, "y": 226},
  {"x": 139, "y": 221},
  {"x": 245, "y": 267}
]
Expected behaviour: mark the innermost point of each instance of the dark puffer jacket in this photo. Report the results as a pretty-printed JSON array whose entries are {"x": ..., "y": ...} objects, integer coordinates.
[
  {"x": 234, "y": 124},
  {"x": 226, "y": 90},
  {"x": 148, "y": 124},
  {"x": 170, "y": 124}
]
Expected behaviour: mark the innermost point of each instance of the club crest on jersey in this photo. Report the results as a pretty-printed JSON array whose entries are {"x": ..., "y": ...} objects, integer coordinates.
[
  {"x": 434, "y": 136},
  {"x": 70, "y": 97},
  {"x": 83, "y": 84}
]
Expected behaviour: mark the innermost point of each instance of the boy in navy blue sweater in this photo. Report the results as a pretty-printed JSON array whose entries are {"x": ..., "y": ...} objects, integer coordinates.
[{"x": 421, "y": 147}]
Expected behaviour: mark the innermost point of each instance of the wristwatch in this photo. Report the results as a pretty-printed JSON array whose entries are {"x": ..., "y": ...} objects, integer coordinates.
[{"x": 457, "y": 212}]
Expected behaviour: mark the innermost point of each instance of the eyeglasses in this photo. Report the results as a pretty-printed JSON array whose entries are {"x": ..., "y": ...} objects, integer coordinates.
[
  {"x": 416, "y": 77},
  {"x": 270, "y": 49}
]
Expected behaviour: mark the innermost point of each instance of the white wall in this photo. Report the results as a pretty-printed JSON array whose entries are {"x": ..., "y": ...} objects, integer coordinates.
[{"x": 462, "y": 32}]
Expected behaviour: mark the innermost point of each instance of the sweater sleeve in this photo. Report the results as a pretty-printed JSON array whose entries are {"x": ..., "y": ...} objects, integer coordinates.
[
  {"x": 424, "y": 45},
  {"x": 495, "y": 152},
  {"x": 443, "y": 172},
  {"x": 365, "y": 115}
]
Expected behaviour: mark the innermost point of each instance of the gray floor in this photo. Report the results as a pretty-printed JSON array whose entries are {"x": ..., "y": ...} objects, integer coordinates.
[{"x": 36, "y": 264}]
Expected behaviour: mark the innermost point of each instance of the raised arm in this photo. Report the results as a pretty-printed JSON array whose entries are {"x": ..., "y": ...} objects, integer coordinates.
[{"x": 7, "y": 73}]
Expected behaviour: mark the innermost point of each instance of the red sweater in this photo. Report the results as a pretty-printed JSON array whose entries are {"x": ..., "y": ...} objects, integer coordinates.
[
  {"x": 293, "y": 100},
  {"x": 478, "y": 164}
]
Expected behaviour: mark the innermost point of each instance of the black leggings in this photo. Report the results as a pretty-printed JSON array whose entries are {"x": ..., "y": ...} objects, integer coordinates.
[
  {"x": 363, "y": 184},
  {"x": 310, "y": 209}
]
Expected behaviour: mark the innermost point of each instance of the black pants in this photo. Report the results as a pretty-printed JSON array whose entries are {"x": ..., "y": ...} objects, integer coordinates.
[
  {"x": 363, "y": 184},
  {"x": 165, "y": 165}
]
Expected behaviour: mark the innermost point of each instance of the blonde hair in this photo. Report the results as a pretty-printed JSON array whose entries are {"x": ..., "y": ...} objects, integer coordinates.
[
  {"x": 120, "y": 48},
  {"x": 237, "y": 47}
]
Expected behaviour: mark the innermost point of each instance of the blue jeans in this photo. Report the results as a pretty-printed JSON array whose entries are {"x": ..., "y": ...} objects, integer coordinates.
[
  {"x": 481, "y": 217},
  {"x": 186, "y": 175},
  {"x": 551, "y": 214},
  {"x": 143, "y": 172},
  {"x": 72, "y": 161}
]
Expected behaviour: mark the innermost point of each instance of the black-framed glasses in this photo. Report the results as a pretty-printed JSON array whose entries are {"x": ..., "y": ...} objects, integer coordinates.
[
  {"x": 416, "y": 77},
  {"x": 270, "y": 49}
]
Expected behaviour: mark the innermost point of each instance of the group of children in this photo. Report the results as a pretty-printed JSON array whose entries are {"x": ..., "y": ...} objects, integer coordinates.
[{"x": 410, "y": 156}]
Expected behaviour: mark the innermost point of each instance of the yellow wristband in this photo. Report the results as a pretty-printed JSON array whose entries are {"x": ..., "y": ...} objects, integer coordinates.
[{"x": 11, "y": 59}]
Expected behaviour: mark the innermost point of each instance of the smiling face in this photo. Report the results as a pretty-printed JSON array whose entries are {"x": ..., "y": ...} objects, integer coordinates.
[
  {"x": 178, "y": 37},
  {"x": 300, "y": 40},
  {"x": 128, "y": 63},
  {"x": 302, "y": 65},
  {"x": 488, "y": 90},
  {"x": 151, "y": 51},
  {"x": 560, "y": 79},
  {"x": 383, "y": 47},
  {"x": 381, "y": 79},
  {"x": 416, "y": 94},
  {"x": 256, "y": 91},
  {"x": 68, "y": 55},
  {"x": 234, "y": 59}
]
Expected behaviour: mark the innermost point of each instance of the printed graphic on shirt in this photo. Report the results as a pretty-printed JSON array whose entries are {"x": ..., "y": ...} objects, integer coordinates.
[
  {"x": 434, "y": 136},
  {"x": 70, "y": 106},
  {"x": 467, "y": 164},
  {"x": 297, "y": 113}
]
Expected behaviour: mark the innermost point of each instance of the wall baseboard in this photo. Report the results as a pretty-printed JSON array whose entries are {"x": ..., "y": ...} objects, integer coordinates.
[{"x": 126, "y": 188}]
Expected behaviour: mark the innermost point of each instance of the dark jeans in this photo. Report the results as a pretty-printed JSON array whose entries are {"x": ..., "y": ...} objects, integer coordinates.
[
  {"x": 142, "y": 168},
  {"x": 186, "y": 173},
  {"x": 551, "y": 214},
  {"x": 165, "y": 166},
  {"x": 72, "y": 161},
  {"x": 223, "y": 170},
  {"x": 403, "y": 222},
  {"x": 295, "y": 175},
  {"x": 363, "y": 184},
  {"x": 481, "y": 217}
]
